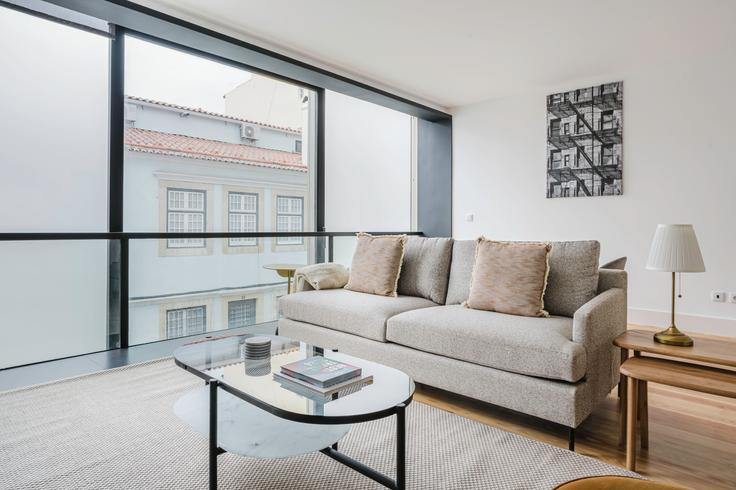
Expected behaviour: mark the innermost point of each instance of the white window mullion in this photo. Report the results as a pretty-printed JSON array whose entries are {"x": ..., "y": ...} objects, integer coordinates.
[
  {"x": 289, "y": 218},
  {"x": 242, "y": 217},
  {"x": 186, "y": 213}
]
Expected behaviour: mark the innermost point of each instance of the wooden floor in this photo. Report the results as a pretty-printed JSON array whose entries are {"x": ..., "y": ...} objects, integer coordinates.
[{"x": 692, "y": 436}]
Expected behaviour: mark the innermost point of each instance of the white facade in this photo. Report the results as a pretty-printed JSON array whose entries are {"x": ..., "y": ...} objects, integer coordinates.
[
  {"x": 201, "y": 277},
  {"x": 265, "y": 99}
]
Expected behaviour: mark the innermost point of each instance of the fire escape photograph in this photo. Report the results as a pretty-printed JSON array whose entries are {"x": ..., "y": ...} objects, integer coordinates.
[{"x": 585, "y": 141}]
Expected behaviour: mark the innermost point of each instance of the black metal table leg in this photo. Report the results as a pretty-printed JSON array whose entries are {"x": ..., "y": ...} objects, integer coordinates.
[
  {"x": 400, "y": 482},
  {"x": 401, "y": 446},
  {"x": 334, "y": 397},
  {"x": 213, "y": 435}
]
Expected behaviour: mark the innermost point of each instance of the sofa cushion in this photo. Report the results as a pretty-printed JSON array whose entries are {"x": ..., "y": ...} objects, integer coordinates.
[
  {"x": 461, "y": 271},
  {"x": 376, "y": 264},
  {"x": 426, "y": 268},
  {"x": 573, "y": 276},
  {"x": 509, "y": 277},
  {"x": 572, "y": 280},
  {"x": 348, "y": 311},
  {"x": 526, "y": 345}
]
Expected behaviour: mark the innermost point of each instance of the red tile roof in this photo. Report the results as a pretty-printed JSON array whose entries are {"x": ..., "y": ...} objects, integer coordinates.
[
  {"x": 214, "y": 114},
  {"x": 147, "y": 141}
]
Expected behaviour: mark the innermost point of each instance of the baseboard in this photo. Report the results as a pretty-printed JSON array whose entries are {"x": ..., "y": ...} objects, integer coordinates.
[{"x": 710, "y": 325}]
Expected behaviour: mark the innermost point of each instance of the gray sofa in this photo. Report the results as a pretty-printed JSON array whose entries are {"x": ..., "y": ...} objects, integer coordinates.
[{"x": 557, "y": 368}]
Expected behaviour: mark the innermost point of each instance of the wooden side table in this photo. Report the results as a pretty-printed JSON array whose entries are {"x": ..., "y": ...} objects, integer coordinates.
[{"x": 637, "y": 371}]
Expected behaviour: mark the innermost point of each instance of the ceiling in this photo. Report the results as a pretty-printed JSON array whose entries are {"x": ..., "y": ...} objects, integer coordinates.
[{"x": 453, "y": 53}]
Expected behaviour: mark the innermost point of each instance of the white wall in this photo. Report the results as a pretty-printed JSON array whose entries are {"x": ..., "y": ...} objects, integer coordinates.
[
  {"x": 267, "y": 100},
  {"x": 679, "y": 167},
  {"x": 367, "y": 169}
]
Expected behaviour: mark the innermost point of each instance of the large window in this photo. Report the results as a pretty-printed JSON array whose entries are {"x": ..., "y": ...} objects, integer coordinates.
[
  {"x": 241, "y": 313},
  {"x": 607, "y": 120},
  {"x": 289, "y": 218},
  {"x": 210, "y": 147},
  {"x": 242, "y": 217},
  {"x": 186, "y": 213},
  {"x": 54, "y": 131},
  {"x": 186, "y": 321},
  {"x": 607, "y": 155},
  {"x": 206, "y": 146}
]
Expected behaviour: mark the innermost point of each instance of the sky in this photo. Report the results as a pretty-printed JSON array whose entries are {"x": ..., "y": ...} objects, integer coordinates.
[{"x": 168, "y": 75}]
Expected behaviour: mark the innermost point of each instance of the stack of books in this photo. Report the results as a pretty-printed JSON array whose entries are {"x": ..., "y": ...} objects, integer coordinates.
[{"x": 321, "y": 378}]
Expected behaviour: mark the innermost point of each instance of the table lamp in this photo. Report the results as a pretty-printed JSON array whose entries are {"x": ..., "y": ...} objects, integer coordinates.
[{"x": 674, "y": 249}]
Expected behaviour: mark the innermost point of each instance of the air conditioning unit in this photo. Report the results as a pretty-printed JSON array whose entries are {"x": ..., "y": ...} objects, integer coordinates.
[
  {"x": 131, "y": 112},
  {"x": 250, "y": 131}
]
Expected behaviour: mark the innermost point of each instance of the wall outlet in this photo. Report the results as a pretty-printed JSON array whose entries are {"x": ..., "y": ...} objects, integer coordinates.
[
  {"x": 469, "y": 217},
  {"x": 718, "y": 296},
  {"x": 732, "y": 297}
]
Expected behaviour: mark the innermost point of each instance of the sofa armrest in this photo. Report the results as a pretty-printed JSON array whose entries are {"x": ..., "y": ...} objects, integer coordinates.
[
  {"x": 600, "y": 320},
  {"x": 612, "y": 278}
]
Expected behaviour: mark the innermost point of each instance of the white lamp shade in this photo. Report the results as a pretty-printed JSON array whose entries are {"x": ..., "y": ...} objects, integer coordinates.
[{"x": 675, "y": 249}]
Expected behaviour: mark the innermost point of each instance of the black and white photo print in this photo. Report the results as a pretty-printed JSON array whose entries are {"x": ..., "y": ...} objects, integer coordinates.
[{"x": 585, "y": 141}]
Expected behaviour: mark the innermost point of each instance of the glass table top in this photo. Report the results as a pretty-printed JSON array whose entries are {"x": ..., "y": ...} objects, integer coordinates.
[{"x": 222, "y": 359}]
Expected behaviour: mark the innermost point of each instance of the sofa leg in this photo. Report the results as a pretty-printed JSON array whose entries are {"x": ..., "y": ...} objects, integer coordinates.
[{"x": 571, "y": 438}]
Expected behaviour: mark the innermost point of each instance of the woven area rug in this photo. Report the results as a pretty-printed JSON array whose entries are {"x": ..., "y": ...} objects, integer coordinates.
[{"x": 116, "y": 430}]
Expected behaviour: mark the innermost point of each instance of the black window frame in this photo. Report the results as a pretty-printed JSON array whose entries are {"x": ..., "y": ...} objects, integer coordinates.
[
  {"x": 607, "y": 154},
  {"x": 555, "y": 126},
  {"x": 607, "y": 119}
]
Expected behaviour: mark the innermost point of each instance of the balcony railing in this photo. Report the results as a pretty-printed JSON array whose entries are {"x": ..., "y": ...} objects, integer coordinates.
[{"x": 67, "y": 293}]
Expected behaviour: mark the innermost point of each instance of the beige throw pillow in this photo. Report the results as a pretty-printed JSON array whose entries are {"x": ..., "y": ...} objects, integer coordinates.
[
  {"x": 509, "y": 277},
  {"x": 377, "y": 264}
]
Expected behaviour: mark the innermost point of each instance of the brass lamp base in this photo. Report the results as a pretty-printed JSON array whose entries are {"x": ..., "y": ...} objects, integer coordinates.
[{"x": 672, "y": 336}]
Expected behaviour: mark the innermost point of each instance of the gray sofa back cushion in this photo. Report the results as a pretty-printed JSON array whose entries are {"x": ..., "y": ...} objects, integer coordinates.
[
  {"x": 573, "y": 276},
  {"x": 426, "y": 268},
  {"x": 572, "y": 281},
  {"x": 461, "y": 271}
]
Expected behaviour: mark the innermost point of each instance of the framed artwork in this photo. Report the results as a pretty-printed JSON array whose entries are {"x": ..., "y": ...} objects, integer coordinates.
[{"x": 585, "y": 142}]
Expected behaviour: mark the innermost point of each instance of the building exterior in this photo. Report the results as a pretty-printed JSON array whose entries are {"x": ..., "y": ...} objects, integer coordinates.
[
  {"x": 191, "y": 170},
  {"x": 584, "y": 142},
  {"x": 265, "y": 99}
]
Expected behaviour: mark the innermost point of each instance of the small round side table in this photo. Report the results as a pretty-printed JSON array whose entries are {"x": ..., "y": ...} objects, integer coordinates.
[{"x": 284, "y": 270}]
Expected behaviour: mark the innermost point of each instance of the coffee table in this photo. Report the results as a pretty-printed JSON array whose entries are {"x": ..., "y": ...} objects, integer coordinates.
[{"x": 243, "y": 409}]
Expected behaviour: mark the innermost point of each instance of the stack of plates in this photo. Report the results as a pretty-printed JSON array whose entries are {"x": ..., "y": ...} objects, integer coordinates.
[
  {"x": 257, "y": 348},
  {"x": 257, "y": 367}
]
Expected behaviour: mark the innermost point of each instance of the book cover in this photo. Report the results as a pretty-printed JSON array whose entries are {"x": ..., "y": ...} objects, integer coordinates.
[
  {"x": 321, "y": 371},
  {"x": 322, "y": 395}
]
